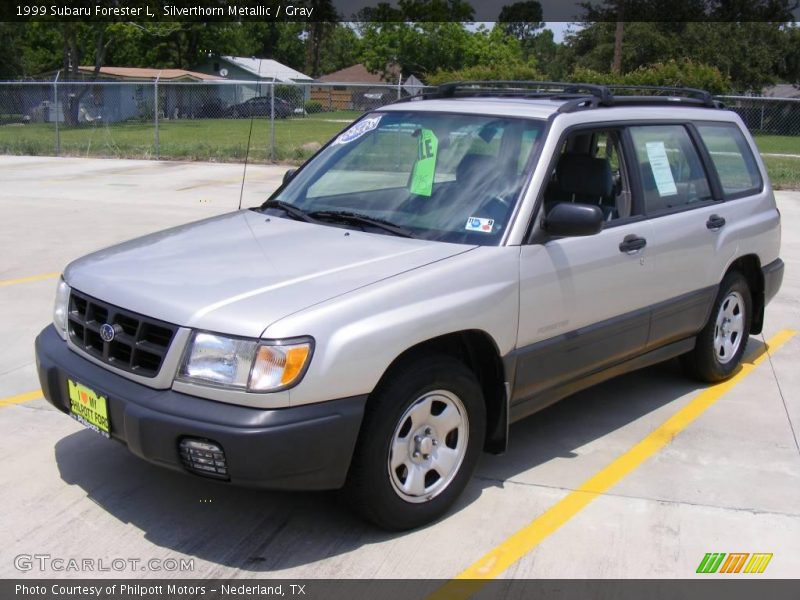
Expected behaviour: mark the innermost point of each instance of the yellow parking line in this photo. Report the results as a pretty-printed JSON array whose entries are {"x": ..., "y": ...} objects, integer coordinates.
[
  {"x": 497, "y": 560},
  {"x": 39, "y": 277},
  {"x": 26, "y": 397}
]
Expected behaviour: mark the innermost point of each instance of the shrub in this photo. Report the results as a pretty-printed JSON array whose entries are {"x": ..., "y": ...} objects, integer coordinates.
[
  {"x": 683, "y": 73},
  {"x": 512, "y": 72},
  {"x": 313, "y": 107}
]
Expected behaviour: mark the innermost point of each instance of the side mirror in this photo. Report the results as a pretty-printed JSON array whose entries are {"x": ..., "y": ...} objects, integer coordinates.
[
  {"x": 573, "y": 219},
  {"x": 288, "y": 175}
]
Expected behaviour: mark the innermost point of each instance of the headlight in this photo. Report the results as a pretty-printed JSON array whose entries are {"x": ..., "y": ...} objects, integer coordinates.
[
  {"x": 244, "y": 364},
  {"x": 61, "y": 307}
]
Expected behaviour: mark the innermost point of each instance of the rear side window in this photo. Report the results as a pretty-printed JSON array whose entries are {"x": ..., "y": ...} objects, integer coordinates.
[
  {"x": 671, "y": 171},
  {"x": 732, "y": 158}
]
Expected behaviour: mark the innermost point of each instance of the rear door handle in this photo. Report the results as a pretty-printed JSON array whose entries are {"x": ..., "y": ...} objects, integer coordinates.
[
  {"x": 632, "y": 244},
  {"x": 715, "y": 222}
]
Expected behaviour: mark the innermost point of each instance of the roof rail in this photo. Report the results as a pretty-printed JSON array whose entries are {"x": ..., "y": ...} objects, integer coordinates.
[
  {"x": 523, "y": 88},
  {"x": 579, "y": 95},
  {"x": 670, "y": 91}
]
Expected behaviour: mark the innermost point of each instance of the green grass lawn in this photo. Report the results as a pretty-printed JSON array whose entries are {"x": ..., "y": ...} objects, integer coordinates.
[
  {"x": 778, "y": 144},
  {"x": 198, "y": 139},
  {"x": 784, "y": 173},
  {"x": 226, "y": 140}
]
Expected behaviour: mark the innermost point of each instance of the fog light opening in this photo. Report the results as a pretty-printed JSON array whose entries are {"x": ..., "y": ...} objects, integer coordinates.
[{"x": 203, "y": 457}]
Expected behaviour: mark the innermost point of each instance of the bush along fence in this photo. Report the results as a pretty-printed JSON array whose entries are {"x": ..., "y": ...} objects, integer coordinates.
[{"x": 213, "y": 120}]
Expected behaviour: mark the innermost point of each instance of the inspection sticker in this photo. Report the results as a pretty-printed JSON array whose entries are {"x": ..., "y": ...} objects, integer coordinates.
[
  {"x": 359, "y": 129},
  {"x": 478, "y": 224}
]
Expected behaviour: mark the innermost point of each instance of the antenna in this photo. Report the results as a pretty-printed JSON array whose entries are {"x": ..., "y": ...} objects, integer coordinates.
[{"x": 249, "y": 136}]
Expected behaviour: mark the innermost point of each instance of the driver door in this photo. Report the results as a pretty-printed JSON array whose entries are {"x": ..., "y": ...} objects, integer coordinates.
[{"x": 584, "y": 301}]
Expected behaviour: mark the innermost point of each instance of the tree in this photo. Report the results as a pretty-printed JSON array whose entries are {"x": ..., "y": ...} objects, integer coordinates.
[
  {"x": 280, "y": 41},
  {"x": 521, "y": 20},
  {"x": 789, "y": 68},
  {"x": 555, "y": 61},
  {"x": 77, "y": 38},
  {"x": 11, "y": 66},
  {"x": 749, "y": 53},
  {"x": 180, "y": 45},
  {"x": 317, "y": 33},
  {"x": 428, "y": 36},
  {"x": 341, "y": 49},
  {"x": 418, "y": 35}
]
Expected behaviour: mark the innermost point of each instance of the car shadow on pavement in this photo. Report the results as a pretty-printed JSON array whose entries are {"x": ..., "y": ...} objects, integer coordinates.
[{"x": 259, "y": 531}]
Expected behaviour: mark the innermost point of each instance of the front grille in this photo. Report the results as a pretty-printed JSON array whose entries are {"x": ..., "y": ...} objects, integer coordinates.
[{"x": 139, "y": 344}]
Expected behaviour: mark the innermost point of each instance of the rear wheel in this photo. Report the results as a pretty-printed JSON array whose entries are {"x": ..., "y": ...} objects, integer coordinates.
[
  {"x": 721, "y": 344},
  {"x": 420, "y": 441}
]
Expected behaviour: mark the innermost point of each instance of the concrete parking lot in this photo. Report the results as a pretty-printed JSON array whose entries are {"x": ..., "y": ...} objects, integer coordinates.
[{"x": 725, "y": 479}]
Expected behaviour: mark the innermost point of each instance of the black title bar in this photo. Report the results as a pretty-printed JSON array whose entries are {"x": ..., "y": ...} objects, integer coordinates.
[
  {"x": 393, "y": 589},
  {"x": 398, "y": 10}
]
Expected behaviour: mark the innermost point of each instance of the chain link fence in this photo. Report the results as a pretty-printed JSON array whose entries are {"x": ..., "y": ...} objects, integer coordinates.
[
  {"x": 214, "y": 120},
  {"x": 766, "y": 115},
  {"x": 182, "y": 120}
]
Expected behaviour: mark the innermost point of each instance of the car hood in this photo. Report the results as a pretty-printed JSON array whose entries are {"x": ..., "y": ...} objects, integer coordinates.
[{"x": 240, "y": 272}]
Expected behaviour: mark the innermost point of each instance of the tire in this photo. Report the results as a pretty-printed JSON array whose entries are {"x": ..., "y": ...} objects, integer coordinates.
[
  {"x": 721, "y": 343},
  {"x": 420, "y": 440}
]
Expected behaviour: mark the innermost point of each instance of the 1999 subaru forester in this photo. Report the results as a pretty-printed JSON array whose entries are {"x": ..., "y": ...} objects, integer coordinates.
[{"x": 442, "y": 268}]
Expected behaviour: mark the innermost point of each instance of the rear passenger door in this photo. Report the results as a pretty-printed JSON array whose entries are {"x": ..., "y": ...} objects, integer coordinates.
[{"x": 689, "y": 245}]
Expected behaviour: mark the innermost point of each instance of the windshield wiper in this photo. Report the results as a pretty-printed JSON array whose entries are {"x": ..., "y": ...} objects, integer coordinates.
[
  {"x": 289, "y": 209},
  {"x": 358, "y": 219}
]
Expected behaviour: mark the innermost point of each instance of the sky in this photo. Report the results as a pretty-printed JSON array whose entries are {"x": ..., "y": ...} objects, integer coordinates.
[{"x": 558, "y": 28}]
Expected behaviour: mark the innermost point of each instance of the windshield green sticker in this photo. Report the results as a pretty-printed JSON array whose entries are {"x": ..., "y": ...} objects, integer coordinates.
[{"x": 425, "y": 167}]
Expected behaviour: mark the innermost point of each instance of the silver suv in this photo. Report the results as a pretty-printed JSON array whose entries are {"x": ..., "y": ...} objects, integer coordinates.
[{"x": 442, "y": 268}]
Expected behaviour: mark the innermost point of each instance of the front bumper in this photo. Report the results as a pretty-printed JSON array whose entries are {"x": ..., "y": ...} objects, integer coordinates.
[{"x": 306, "y": 447}]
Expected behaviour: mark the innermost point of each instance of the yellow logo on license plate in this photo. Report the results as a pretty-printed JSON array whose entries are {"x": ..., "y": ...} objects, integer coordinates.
[{"x": 88, "y": 408}]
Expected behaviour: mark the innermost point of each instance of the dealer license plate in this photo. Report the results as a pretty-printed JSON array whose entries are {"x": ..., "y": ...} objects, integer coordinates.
[{"x": 88, "y": 408}]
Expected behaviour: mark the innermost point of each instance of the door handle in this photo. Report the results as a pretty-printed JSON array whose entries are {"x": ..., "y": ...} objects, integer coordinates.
[
  {"x": 715, "y": 222},
  {"x": 632, "y": 244}
]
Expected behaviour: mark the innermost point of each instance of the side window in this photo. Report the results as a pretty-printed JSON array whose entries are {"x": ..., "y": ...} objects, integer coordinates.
[
  {"x": 590, "y": 170},
  {"x": 530, "y": 137},
  {"x": 732, "y": 158},
  {"x": 670, "y": 169}
]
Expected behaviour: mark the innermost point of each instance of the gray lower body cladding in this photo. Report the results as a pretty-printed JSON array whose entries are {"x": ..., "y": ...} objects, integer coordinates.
[{"x": 552, "y": 369}]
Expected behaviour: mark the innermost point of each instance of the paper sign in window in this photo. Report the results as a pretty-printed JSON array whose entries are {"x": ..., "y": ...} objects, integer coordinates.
[
  {"x": 425, "y": 167},
  {"x": 662, "y": 173}
]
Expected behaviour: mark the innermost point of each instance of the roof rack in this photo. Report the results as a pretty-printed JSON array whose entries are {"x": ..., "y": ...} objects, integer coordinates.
[{"x": 579, "y": 96}]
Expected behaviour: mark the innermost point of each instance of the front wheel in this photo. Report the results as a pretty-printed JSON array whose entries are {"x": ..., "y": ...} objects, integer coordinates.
[
  {"x": 419, "y": 444},
  {"x": 721, "y": 344}
]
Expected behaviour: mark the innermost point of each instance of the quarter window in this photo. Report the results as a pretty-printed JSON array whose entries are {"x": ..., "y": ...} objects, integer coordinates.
[
  {"x": 732, "y": 158},
  {"x": 670, "y": 169}
]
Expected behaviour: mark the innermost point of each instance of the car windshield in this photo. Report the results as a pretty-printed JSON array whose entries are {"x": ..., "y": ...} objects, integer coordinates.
[{"x": 430, "y": 175}]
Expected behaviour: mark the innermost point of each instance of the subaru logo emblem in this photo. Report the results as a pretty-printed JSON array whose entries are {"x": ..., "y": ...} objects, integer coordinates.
[{"x": 107, "y": 332}]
